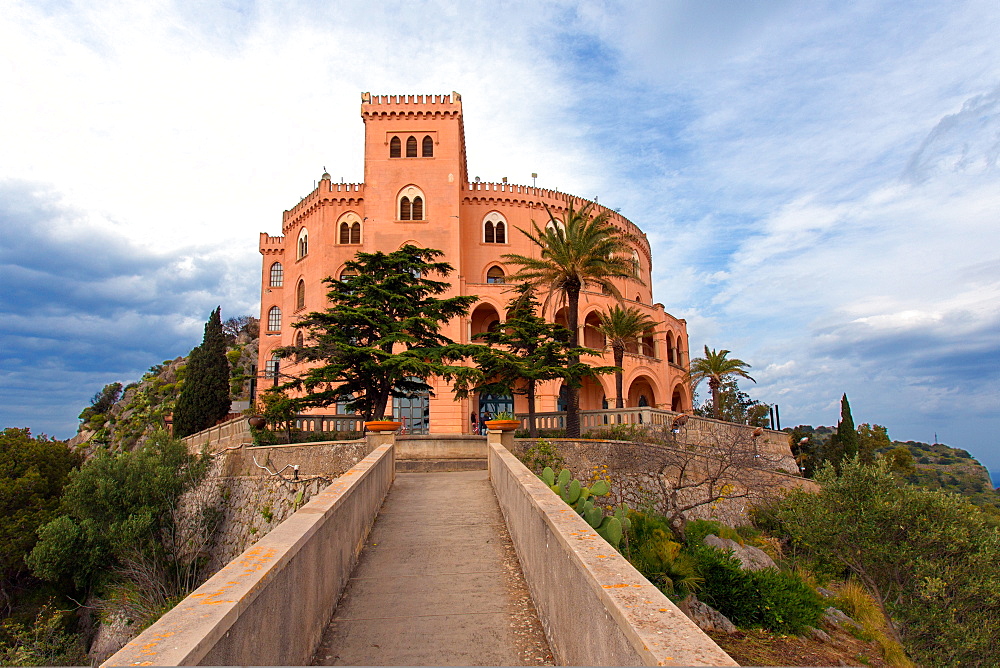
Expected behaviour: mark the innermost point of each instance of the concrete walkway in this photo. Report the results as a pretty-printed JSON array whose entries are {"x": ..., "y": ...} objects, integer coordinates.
[{"x": 437, "y": 583}]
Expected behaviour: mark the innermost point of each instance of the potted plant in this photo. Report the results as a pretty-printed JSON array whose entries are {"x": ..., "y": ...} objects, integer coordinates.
[{"x": 505, "y": 421}]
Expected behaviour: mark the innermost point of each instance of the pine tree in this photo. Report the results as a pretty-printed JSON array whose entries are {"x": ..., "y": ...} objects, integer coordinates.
[
  {"x": 204, "y": 399},
  {"x": 381, "y": 336},
  {"x": 525, "y": 350}
]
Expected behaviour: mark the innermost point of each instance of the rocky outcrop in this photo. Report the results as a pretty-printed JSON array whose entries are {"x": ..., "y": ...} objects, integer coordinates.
[
  {"x": 705, "y": 616},
  {"x": 751, "y": 558}
]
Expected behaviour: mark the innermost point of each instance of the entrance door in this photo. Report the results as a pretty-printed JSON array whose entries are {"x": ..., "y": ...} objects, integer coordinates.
[
  {"x": 495, "y": 403},
  {"x": 414, "y": 412}
]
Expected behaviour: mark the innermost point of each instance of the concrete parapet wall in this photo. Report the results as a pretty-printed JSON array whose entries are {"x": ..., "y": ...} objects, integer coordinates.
[
  {"x": 595, "y": 607},
  {"x": 270, "y": 605},
  {"x": 226, "y": 435},
  {"x": 441, "y": 446}
]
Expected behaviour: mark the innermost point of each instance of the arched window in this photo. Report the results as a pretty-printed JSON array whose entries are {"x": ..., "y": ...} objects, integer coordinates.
[
  {"x": 555, "y": 225},
  {"x": 411, "y": 147},
  {"x": 395, "y": 148},
  {"x": 300, "y": 294},
  {"x": 428, "y": 147},
  {"x": 271, "y": 366},
  {"x": 277, "y": 275},
  {"x": 274, "y": 319},
  {"x": 494, "y": 229},
  {"x": 495, "y": 275},
  {"x": 411, "y": 203},
  {"x": 299, "y": 338},
  {"x": 347, "y": 273},
  {"x": 350, "y": 232},
  {"x": 303, "y": 243}
]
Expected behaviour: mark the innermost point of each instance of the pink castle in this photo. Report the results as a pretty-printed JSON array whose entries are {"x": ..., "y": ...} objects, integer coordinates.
[{"x": 417, "y": 191}]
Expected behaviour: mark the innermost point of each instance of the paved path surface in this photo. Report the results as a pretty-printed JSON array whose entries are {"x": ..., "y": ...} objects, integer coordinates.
[{"x": 437, "y": 583}]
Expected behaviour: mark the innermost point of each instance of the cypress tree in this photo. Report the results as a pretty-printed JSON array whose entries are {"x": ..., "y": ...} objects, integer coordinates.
[
  {"x": 844, "y": 443},
  {"x": 204, "y": 399}
]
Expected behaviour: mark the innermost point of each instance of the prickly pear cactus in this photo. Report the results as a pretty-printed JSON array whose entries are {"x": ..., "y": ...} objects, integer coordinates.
[
  {"x": 548, "y": 476},
  {"x": 570, "y": 490}
]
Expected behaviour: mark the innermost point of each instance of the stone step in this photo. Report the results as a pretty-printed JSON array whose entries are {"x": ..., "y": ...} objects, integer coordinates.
[{"x": 439, "y": 465}]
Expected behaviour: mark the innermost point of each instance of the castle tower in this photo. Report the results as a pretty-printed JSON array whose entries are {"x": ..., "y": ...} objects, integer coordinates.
[{"x": 414, "y": 170}]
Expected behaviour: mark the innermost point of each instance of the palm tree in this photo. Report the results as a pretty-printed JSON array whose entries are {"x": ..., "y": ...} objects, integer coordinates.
[
  {"x": 620, "y": 326},
  {"x": 575, "y": 250},
  {"x": 717, "y": 368}
]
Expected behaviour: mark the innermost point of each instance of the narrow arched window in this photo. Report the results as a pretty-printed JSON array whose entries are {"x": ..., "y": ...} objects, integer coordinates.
[
  {"x": 345, "y": 233},
  {"x": 395, "y": 148},
  {"x": 428, "y": 147},
  {"x": 404, "y": 208},
  {"x": 299, "y": 339},
  {"x": 274, "y": 319},
  {"x": 300, "y": 294},
  {"x": 494, "y": 228},
  {"x": 418, "y": 208},
  {"x": 356, "y": 233},
  {"x": 411, "y": 147},
  {"x": 271, "y": 366},
  {"x": 495, "y": 275},
  {"x": 277, "y": 275},
  {"x": 303, "y": 243}
]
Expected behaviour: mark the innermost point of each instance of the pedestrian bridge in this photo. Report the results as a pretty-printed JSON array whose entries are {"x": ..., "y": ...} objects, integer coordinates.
[{"x": 383, "y": 568}]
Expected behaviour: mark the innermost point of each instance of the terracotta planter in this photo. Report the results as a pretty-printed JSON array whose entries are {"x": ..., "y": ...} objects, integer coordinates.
[
  {"x": 503, "y": 425},
  {"x": 257, "y": 422},
  {"x": 382, "y": 425}
]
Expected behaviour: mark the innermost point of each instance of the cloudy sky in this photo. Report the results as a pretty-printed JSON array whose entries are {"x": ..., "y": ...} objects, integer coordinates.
[{"x": 819, "y": 180}]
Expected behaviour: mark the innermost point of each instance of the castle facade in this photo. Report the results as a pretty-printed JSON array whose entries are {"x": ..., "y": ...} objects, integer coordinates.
[{"x": 417, "y": 191}]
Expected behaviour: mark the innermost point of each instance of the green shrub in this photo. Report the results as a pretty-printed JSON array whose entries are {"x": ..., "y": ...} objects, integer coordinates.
[
  {"x": 651, "y": 549},
  {"x": 46, "y": 642},
  {"x": 619, "y": 432},
  {"x": 696, "y": 530},
  {"x": 540, "y": 454},
  {"x": 768, "y": 598}
]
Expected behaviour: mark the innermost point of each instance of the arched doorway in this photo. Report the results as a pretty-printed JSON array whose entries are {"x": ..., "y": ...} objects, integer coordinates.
[
  {"x": 677, "y": 400},
  {"x": 592, "y": 338},
  {"x": 484, "y": 319},
  {"x": 641, "y": 394}
]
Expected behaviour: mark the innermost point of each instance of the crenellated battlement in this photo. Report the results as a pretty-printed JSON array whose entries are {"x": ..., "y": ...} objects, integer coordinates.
[
  {"x": 269, "y": 245},
  {"x": 556, "y": 200},
  {"x": 410, "y": 105},
  {"x": 347, "y": 194}
]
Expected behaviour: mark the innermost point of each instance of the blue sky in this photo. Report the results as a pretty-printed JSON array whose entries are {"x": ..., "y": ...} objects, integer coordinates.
[{"x": 819, "y": 180}]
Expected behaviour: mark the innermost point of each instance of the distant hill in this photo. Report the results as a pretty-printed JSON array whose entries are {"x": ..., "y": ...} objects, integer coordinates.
[
  {"x": 938, "y": 466},
  {"x": 952, "y": 469}
]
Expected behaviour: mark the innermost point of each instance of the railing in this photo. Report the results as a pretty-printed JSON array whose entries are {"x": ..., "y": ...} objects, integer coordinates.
[
  {"x": 330, "y": 423},
  {"x": 603, "y": 418}
]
